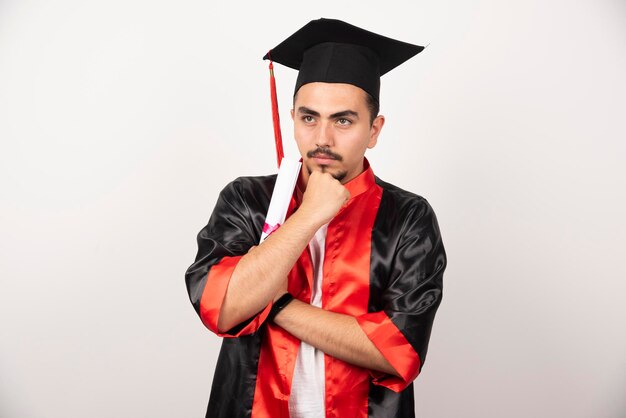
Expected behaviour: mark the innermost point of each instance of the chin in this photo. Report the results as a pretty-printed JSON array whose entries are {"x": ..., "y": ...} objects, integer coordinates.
[{"x": 338, "y": 175}]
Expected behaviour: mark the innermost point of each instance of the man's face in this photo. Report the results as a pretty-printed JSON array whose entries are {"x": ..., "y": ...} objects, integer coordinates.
[{"x": 332, "y": 129}]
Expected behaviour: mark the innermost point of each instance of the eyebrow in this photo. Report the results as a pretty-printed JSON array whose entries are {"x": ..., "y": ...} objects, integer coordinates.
[{"x": 305, "y": 110}]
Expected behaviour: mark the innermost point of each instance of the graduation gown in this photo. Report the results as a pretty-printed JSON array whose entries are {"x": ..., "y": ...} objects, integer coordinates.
[{"x": 384, "y": 265}]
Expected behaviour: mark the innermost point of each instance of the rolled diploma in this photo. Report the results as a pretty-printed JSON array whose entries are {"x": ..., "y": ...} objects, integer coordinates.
[{"x": 281, "y": 196}]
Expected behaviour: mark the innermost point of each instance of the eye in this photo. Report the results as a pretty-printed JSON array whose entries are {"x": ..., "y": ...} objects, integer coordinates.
[
  {"x": 344, "y": 121},
  {"x": 308, "y": 119}
]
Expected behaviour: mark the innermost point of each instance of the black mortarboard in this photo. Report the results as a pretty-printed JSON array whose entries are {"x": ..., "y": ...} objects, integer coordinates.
[{"x": 333, "y": 51}]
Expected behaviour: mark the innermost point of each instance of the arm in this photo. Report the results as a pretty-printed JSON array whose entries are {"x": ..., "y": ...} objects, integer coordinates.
[
  {"x": 232, "y": 284},
  {"x": 391, "y": 342},
  {"x": 228, "y": 235},
  {"x": 335, "y": 334},
  {"x": 272, "y": 260},
  {"x": 401, "y": 324}
]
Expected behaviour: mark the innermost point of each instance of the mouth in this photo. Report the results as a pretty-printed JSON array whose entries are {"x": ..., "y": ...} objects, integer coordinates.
[
  {"x": 323, "y": 159},
  {"x": 324, "y": 156}
]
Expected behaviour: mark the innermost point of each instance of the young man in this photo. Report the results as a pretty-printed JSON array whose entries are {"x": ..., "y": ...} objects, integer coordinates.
[{"x": 331, "y": 315}]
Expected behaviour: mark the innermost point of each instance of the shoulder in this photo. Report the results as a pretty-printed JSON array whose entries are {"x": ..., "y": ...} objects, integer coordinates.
[
  {"x": 244, "y": 202},
  {"x": 402, "y": 203},
  {"x": 413, "y": 221},
  {"x": 247, "y": 187}
]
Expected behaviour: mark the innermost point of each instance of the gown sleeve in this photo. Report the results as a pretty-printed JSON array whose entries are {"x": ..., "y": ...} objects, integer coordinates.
[
  {"x": 401, "y": 330},
  {"x": 226, "y": 238}
]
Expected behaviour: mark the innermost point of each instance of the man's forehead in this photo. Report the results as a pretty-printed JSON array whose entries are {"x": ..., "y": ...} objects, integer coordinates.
[{"x": 320, "y": 94}]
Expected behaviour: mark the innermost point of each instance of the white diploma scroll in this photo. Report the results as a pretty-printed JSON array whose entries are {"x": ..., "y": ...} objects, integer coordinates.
[{"x": 281, "y": 196}]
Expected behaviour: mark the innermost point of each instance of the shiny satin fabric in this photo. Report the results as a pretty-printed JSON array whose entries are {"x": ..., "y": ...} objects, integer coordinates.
[
  {"x": 345, "y": 289},
  {"x": 384, "y": 265}
]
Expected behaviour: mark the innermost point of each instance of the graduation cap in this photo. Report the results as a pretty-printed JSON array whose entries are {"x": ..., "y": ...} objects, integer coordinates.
[{"x": 333, "y": 51}]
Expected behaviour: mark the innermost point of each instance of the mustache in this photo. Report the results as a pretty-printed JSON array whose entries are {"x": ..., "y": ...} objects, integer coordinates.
[{"x": 324, "y": 151}]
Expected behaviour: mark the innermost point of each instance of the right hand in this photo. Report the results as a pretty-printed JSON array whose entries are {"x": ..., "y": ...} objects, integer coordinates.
[{"x": 323, "y": 197}]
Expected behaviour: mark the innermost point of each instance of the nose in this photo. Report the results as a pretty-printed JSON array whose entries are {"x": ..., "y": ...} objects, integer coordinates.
[{"x": 325, "y": 135}]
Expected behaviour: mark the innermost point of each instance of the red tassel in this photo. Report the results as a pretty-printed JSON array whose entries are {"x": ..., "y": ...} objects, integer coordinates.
[{"x": 278, "y": 139}]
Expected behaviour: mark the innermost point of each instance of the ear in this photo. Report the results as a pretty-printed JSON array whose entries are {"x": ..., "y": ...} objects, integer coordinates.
[
  {"x": 377, "y": 126},
  {"x": 291, "y": 111}
]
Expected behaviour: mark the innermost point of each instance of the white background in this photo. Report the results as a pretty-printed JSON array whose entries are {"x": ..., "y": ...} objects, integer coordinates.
[{"x": 120, "y": 122}]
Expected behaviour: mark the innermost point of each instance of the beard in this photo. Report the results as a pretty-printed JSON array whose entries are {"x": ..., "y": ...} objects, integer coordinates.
[{"x": 340, "y": 175}]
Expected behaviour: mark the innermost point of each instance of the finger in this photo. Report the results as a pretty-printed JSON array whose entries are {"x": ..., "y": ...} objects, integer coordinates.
[{"x": 317, "y": 170}]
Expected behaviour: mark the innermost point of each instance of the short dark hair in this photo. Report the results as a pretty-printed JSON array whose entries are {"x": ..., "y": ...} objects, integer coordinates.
[{"x": 372, "y": 105}]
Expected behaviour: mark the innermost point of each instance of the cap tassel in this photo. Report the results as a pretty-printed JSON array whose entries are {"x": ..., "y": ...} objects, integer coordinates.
[{"x": 275, "y": 118}]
